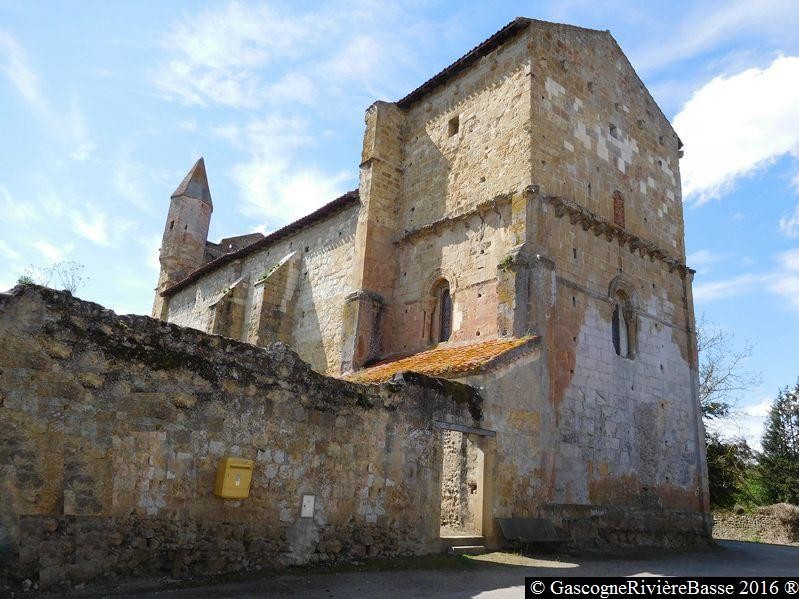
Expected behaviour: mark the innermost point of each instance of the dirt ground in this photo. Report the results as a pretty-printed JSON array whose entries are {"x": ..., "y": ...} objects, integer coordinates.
[{"x": 494, "y": 576}]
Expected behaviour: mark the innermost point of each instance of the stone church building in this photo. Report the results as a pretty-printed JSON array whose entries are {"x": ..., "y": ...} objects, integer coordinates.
[{"x": 518, "y": 227}]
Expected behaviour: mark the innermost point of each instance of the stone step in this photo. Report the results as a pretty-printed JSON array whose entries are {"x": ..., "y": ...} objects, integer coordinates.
[
  {"x": 467, "y": 549},
  {"x": 466, "y": 539}
]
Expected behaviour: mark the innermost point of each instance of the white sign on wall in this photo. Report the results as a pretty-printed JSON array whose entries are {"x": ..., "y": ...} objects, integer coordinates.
[{"x": 307, "y": 506}]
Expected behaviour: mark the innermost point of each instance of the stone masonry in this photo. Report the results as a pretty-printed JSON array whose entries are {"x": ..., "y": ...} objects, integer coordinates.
[
  {"x": 113, "y": 428},
  {"x": 534, "y": 185}
]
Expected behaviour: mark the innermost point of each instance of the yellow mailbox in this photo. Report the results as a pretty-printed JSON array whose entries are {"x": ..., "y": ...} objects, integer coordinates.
[{"x": 233, "y": 478}]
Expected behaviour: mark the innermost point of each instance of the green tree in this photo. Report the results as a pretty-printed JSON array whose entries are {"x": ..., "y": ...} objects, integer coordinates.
[
  {"x": 728, "y": 469},
  {"x": 721, "y": 379},
  {"x": 779, "y": 462}
]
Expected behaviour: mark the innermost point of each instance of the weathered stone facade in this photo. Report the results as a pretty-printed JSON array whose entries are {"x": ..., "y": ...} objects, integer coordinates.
[
  {"x": 522, "y": 208},
  {"x": 534, "y": 187},
  {"x": 113, "y": 427}
]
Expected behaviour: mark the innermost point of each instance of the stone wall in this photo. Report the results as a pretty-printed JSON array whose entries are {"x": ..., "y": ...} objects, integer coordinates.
[
  {"x": 113, "y": 427},
  {"x": 627, "y": 430},
  {"x": 462, "y": 479},
  {"x": 611, "y": 472},
  {"x": 763, "y": 526},
  {"x": 322, "y": 256},
  {"x": 622, "y": 420},
  {"x": 454, "y": 207},
  {"x": 596, "y": 129}
]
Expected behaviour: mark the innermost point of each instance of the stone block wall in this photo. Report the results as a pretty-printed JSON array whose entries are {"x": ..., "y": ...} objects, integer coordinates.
[
  {"x": 323, "y": 258},
  {"x": 113, "y": 428},
  {"x": 763, "y": 526},
  {"x": 629, "y": 428},
  {"x": 596, "y": 129},
  {"x": 454, "y": 209},
  {"x": 462, "y": 474}
]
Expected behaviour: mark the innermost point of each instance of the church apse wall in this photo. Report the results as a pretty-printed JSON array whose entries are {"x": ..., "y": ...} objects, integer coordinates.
[{"x": 620, "y": 336}]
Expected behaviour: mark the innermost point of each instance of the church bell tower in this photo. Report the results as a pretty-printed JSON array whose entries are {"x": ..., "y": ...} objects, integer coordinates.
[{"x": 185, "y": 233}]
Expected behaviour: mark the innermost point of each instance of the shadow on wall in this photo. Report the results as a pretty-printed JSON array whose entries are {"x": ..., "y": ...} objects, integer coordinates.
[
  {"x": 408, "y": 321},
  {"x": 317, "y": 316}
]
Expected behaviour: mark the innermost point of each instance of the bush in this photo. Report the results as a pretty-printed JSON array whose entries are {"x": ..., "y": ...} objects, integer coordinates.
[{"x": 787, "y": 514}]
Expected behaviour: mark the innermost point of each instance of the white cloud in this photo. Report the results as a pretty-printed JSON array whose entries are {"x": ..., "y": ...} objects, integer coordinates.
[
  {"x": 83, "y": 152},
  {"x": 293, "y": 87},
  {"x": 67, "y": 125},
  {"x": 19, "y": 72},
  {"x": 51, "y": 252},
  {"x": 93, "y": 227},
  {"x": 725, "y": 288},
  {"x": 782, "y": 281},
  {"x": 789, "y": 224},
  {"x": 7, "y": 251},
  {"x": 188, "y": 125},
  {"x": 790, "y": 260},
  {"x": 747, "y": 422},
  {"x": 152, "y": 245},
  {"x": 702, "y": 260},
  {"x": 273, "y": 184},
  {"x": 216, "y": 54},
  {"x": 243, "y": 56},
  {"x": 15, "y": 210},
  {"x": 773, "y": 19},
  {"x": 734, "y": 125},
  {"x": 128, "y": 179},
  {"x": 280, "y": 195},
  {"x": 273, "y": 136}
]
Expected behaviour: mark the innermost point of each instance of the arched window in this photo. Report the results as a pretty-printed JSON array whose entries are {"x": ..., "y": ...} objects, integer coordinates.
[
  {"x": 441, "y": 322},
  {"x": 623, "y": 299},
  {"x": 621, "y": 333},
  {"x": 445, "y": 304}
]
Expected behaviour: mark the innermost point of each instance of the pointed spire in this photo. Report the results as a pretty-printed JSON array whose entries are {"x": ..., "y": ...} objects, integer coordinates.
[{"x": 195, "y": 184}]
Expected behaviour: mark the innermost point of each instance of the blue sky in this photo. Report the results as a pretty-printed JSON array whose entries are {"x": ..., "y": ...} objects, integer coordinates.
[{"x": 105, "y": 106}]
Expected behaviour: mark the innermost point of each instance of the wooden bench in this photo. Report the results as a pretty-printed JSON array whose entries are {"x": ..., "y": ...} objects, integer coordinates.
[{"x": 529, "y": 531}]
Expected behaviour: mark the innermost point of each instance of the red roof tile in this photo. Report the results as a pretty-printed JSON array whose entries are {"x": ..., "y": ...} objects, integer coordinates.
[{"x": 448, "y": 361}]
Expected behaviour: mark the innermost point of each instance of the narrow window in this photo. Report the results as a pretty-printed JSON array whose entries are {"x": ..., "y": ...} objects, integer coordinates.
[
  {"x": 622, "y": 330},
  {"x": 171, "y": 225},
  {"x": 614, "y": 130},
  {"x": 618, "y": 208},
  {"x": 454, "y": 125},
  {"x": 445, "y": 303}
]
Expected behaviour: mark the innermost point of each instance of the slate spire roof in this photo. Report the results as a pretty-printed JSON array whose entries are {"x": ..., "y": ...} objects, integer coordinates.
[{"x": 195, "y": 184}]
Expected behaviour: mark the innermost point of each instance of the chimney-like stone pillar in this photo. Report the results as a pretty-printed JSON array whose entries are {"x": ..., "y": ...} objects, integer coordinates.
[
  {"x": 525, "y": 275},
  {"x": 374, "y": 265}
]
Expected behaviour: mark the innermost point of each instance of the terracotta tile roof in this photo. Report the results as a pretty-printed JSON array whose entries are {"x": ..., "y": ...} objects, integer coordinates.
[{"x": 448, "y": 361}]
